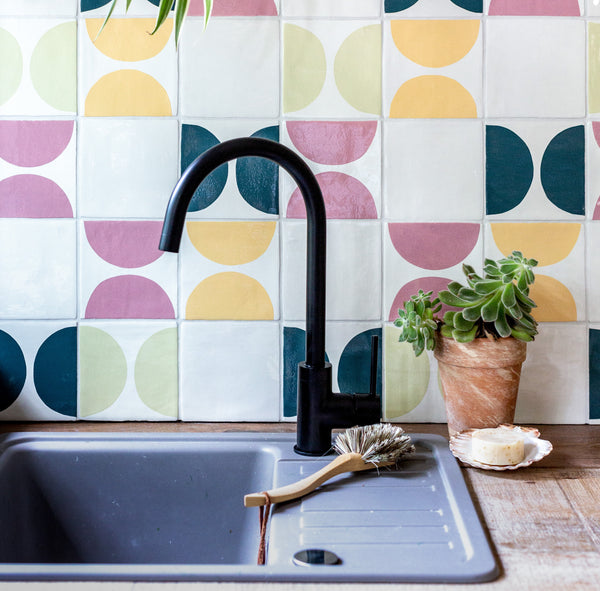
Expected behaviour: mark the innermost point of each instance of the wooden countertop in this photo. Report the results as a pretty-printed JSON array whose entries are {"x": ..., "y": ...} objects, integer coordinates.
[{"x": 543, "y": 521}]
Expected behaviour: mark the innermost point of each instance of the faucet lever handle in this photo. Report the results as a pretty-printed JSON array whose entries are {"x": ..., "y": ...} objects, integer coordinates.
[{"x": 374, "y": 359}]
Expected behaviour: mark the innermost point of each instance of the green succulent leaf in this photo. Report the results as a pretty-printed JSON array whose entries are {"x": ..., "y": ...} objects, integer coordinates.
[
  {"x": 446, "y": 331},
  {"x": 461, "y": 336},
  {"x": 462, "y": 324},
  {"x": 489, "y": 311},
  {"x": 521, "y": 335},
  {"x": 449, "y": 317},
  {"x": 454, "y": 288},
  {"x": 473, "y": 313},
  {"x": 451, "y": 300},
  {"x": 509, "y": 299},
  {"x": 501, "y": 324},
  {"x": 486, "y": 286}
]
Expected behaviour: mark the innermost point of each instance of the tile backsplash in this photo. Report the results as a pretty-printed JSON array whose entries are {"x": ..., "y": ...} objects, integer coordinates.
[{"x": 441, "y": 132}]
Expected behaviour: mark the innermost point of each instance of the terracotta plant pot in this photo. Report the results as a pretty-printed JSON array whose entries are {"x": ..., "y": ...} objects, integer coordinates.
[{"x": 480, "y": 380}]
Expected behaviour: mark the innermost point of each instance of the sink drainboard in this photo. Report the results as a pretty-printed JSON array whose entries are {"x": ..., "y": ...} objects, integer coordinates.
[{"x": 170, "y": 507}]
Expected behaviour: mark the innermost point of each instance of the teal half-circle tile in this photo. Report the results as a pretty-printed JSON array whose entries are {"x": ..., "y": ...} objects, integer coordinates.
[
  {"x": 194, "y": 141},
  {"x": 398, "y": 5},
  {"x": 258, "y": 178},
  {"x": 509, "y": 169},
  {"x": 13, "y": 370},
  {"x": 92, "y": 4},
  {"x": 594, "y": 357},
  {"x": 294, "y": 352},
  {"x": 470, "y": 5},
  {"x": 55, "y": 371},
  {"x": 354, "y": 369},
  {"x": 563, "y": 170}
]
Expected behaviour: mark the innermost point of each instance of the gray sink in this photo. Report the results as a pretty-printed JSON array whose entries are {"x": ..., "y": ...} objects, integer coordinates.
[{"x": 170, "y": 507}]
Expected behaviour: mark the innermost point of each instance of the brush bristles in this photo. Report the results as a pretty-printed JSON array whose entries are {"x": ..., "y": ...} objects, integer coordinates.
[{"x": 377, "y": 444}]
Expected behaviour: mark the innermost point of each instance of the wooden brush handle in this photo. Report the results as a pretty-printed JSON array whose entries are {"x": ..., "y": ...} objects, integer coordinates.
[{"x": 351, "y": 462}]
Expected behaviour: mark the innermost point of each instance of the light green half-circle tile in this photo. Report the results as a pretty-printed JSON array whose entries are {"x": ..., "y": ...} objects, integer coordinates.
[
  {"x": 54, "y": 67},
  {"x": 156, "y": 372},
  {"x": 406, "y": 376},
  {"x": 357, "y": 69},
  {"x": 102, "y": 370},
  {"x": 594, "y": 67},
  {"x": 304, "y": 67},
  {"x": 11, "y": 65}
]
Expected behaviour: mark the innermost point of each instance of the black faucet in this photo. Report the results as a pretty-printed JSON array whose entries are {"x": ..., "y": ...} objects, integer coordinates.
[{"x": 319, "y": 409}]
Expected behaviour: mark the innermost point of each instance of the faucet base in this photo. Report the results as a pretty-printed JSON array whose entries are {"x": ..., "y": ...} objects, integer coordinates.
[{"x": 320, "y": 410}]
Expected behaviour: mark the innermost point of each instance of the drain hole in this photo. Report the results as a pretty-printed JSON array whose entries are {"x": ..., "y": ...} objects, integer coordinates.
[{"x": 315, "y": 556}]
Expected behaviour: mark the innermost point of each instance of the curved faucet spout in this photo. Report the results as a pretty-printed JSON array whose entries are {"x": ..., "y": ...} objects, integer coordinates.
[
  {"x": 319, "y": 410},
  {"x": 214, "y": 157}
]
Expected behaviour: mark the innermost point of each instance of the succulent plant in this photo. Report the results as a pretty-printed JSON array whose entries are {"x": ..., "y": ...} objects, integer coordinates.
[
  {"x": 417, "y": 322},
  {"x": 496, "y": 305}
]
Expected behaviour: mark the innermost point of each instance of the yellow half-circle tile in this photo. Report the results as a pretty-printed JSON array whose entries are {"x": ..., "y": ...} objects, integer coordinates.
[
  {"x": 555, "y": 303},
  {"x": 434, "y": 97},
  {"x": 127, "y": 93},
  {"x": 129, "y": 39},
  {"x": 435, "y": 43},
  {"x": 229, "y": 296},
  {"x": 231, "y": 243},
  {"x": 548, "y": 243}
]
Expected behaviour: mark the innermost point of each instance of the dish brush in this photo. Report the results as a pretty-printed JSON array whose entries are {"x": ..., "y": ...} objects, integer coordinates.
[{"x": 360, "y": 448}]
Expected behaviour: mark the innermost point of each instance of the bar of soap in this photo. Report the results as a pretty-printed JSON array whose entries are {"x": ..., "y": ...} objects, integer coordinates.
[{"x": 498, "y": 447}]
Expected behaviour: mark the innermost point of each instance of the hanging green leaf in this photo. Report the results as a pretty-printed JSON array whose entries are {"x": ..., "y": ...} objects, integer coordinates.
[
  {"x": 110, "y": 11},
  {"x": 208, "y": 5},
  {"x": 180, "y": 14},
  {"x": 163, "y": 11}
]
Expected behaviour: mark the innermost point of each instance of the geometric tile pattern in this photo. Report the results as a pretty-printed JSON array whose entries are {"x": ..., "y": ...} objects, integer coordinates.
[{"x": 441, "y": 132}]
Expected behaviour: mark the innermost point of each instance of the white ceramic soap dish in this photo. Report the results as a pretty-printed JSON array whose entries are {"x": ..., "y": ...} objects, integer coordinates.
[{"x": 535, "y": 448}]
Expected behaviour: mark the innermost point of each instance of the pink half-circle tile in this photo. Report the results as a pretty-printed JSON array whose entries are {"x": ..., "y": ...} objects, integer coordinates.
[
  {"x": 345, "y": 198},
  {"x": 33, "y": 196},
  {"x": 596, "y": 215},
  {"x": 535, "y": 8},
  {"x": 235, "y": 8},
  {"x": 596, "y": 130},
  {"x": 124, "y": 243},
  {"x": 129, "y": 296},
  {"x": 332, "y": 142},
  {"x": 434, "y": 246},
  {"x": 33, "y": 143},
  {"x": 435, "y": 284}
]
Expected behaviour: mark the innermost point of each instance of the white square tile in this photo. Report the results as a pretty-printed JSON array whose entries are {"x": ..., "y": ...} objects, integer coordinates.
[
  {"x": 230, "y": 271},
  {"x": 38, "y": 168},
  {"x": 433, "y": 170},
  {"x": 123, "y": 274},
  {"x": 39, "y": 369},
  {"x": 535, "y": 170},
  {"x": 325, "y": 8},
  {"x": 554, "y": 383},
  {"x": 39, "y": 66},
  {"x": 535, "y": 67},
  {"x": 332, "y": 68},
  {"x": 229, "y": 371},
  {"x": 559, "y": 248},
  {"x": 240, "y": 57},
  {"x": 39, "y": 8},
  {"x": 127, "y": 168},
  {"x": 423, "y": 255},
  {"x": 432, "y": 69},
  {"x": 137, "y": 78},
  {"x": 345, "y": 156},
  {"x": 353, "y": 270},
  {"x": 128, "y": 371},
  {"x": 593, "y": 233},
  {"x": 39, "y": 275},
  {"x": 244, "y": 192},
  {"x": 412, "y": 392}
]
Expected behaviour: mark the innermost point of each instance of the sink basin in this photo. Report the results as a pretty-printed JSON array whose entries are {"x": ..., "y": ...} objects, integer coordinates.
[{"x": 170, "y": 507}]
